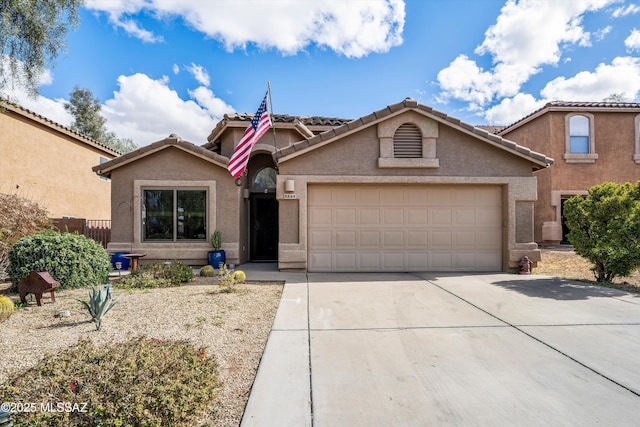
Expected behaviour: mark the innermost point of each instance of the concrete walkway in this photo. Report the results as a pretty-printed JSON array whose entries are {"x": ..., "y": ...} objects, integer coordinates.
[{"x": 445, "y": 349}]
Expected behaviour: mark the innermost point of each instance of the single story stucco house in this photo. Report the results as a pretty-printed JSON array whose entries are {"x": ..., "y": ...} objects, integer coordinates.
[{"x": 406, "y": 188}]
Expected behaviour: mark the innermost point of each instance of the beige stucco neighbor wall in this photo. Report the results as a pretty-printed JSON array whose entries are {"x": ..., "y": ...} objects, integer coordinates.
[
  {"x": 614, "y": 137},
  {"x": 51, "y": 165},
  {"x": 462, "y": 159},
  {"x": 173, "y": 168}
]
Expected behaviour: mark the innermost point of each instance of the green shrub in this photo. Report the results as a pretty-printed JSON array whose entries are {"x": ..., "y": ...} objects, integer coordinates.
[
  {"x": 157, "y": 275},
  {"x": 6, "y": 307},
  {"x": 604, "y": 228},
  {"x": 72, "y": 259},
  {"x": 140, "y": 382},
  {"x": 19, "y": 217},
  {"x": 207, "y": 271}
]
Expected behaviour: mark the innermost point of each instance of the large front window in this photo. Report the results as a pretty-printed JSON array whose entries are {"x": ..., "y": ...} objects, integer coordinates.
[{"x": 172, "y": 214}]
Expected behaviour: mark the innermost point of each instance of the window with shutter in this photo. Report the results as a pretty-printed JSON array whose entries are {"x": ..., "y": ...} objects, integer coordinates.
[{"x": 407, "y": 142}]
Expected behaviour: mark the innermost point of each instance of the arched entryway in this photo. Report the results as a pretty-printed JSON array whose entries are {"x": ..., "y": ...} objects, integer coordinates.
[{"x": 263, "y": 209}]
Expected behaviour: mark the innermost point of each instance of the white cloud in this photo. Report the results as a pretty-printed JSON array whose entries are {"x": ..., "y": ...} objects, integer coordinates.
[
  {"x": 148, "y": 110},
  {"x": 350, "y": 28},
  {"x": 624, "y": 11},
  {"x": 510, "y": 110},
  {"x": 176, "y": 69},
  {"x": 518, "y": 48},
  {"x": 621, "y": 76},
  {"x": 633, "y": 41},
  {"x": 200, "y": 74}
]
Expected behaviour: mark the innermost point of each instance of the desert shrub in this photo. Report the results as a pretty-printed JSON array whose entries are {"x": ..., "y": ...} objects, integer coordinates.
[
  {"x": 6, "y": 307},
  {"x": 140, "y": 382},
  {"x": 228, "y": 279},
  {"x": 207, "y": 271},
  {"x": 157, "y": 275},
  {"x": 72, "y": 259},
  {"x": 19, "y": 217},
  {"x": 604, "y": 228}
]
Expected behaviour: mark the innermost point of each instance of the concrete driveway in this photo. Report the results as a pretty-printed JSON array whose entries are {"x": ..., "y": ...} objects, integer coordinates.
[{"x": 445, "y": 349}]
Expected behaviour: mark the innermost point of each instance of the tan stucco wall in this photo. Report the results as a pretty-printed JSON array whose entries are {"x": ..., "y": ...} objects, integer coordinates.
[
  {"x": 614, "y": 134},
  {"x": 172, "y": 168},
  {"x": 46, "y": 165},
  {"x": 463, "y": 159}
]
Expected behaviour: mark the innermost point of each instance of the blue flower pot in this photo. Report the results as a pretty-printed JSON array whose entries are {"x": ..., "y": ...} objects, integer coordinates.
[{"x": 217, "y": 257}]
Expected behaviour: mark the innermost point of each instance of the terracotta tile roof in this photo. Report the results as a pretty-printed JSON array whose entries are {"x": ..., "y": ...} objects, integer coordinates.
[
  {"x": 353, "y": 125},
  {"x": 573, "y": 106},
  {"x": 317, "y": 123},
  {"x": 18, "y": 109},
  {"x": 172, "y": 140}
]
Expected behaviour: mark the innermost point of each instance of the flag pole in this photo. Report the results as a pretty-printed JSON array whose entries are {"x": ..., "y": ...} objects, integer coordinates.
[{"x": 273, "y": 122}]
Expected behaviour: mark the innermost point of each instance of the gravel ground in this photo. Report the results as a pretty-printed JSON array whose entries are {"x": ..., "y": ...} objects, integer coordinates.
[
  {"x": 564, "y": 262},
  {"x": 232, "y": 326}
]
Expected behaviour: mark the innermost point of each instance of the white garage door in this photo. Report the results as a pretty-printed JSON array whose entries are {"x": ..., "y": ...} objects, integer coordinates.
[{"x": 404, "y": 228}]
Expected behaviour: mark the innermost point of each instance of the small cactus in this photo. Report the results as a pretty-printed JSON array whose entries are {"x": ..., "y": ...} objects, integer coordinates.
[
  {"x": 207, "y": 271},
  {"x": 239, "y": 276},
  {"x": 6, "y": 307}
]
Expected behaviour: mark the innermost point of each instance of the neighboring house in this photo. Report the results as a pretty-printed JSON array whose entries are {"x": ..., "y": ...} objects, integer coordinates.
[
  {"x": 50, "y": 164},
  {"x": 592, "y": 143},
  {"x": 406, "y": 188}
]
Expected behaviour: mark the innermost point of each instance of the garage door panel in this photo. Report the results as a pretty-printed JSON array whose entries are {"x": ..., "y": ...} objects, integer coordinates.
[
  {"x": 370, "y": 239},
  {"x": 393, "y": 238},
  {"x": 346, "y": 260},
  {"x": 417, "y": 238},
  {"x": 369, "y": 216},
  {"x": 393, "y": 261},
  {"x": 369, "y": 260},
  {"x": 345, "y": 238},
  {"x": 441, "y": 216},
  {"x": 320, "y": 238},
  {"x": 393, "y": 216},
  {"x": 345, "y": 216},
  {"x": 404, "y": 228}
]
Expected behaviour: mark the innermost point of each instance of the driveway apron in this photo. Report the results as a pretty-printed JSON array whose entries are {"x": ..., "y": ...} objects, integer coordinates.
[{"x": 449, "y": 349}]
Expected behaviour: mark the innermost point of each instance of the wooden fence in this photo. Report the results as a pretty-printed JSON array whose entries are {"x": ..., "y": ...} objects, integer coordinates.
[{"x": 96, "y": 229}]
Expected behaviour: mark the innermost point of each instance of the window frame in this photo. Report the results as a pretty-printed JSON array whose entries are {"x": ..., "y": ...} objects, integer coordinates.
[
  {"x": 636, "y": 154},
  {"x": 591, "y": 156},
  {"x": 175, "y": 214}
]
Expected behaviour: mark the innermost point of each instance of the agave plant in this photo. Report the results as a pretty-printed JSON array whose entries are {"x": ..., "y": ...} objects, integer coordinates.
[{"x": 99, "y": 304}]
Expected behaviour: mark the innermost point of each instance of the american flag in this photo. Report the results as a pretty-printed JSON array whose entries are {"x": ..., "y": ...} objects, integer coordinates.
[{"x": 260, "y": 123}]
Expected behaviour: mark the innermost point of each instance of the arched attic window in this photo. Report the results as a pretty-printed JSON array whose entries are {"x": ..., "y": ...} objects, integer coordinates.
[{"x": 407, "y": 142}]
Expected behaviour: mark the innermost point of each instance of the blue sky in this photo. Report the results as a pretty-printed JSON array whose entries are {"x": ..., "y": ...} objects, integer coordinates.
[{"x": 163, "y": 67}]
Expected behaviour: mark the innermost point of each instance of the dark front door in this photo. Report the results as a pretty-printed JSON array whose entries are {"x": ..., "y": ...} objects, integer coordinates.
[{"x": 264, "y": 227}]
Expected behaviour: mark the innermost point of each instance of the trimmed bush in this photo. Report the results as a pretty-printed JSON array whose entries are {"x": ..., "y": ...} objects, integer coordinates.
[
  {"x": 72, "y": 259},
  {"x": 140, "y": 382}
]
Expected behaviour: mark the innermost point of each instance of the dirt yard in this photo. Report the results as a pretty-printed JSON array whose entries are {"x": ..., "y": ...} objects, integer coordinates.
[{"x": 563, "y": 262}]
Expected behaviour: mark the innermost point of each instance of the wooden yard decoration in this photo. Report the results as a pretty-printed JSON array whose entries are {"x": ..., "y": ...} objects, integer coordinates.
[{"x": 37, "y": 283}]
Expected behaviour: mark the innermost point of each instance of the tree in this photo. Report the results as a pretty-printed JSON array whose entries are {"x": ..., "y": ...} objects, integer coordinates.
[
  {"x": 605, "y": 228},
  {"x": 32, "y": 35},
  {"x": 616, "y": 97},
  {"x": 88, "y": 120},
  {"x": 19, "y": 217}
]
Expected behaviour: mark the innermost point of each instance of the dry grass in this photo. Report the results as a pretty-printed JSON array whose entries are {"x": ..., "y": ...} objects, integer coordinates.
[
  {"x": 233, "y": 327},
  {"x": 567, "y": 264}
]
